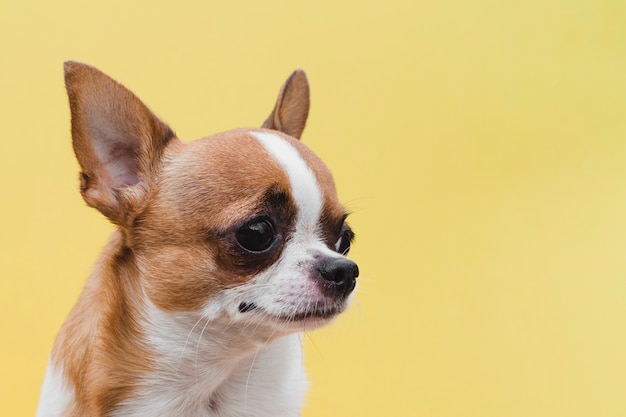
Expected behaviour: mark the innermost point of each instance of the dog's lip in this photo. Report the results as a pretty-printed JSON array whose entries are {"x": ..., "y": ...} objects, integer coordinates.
[{"x": 319, "y": 313}]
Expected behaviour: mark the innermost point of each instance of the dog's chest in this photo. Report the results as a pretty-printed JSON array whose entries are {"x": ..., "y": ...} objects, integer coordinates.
[{"x": 271, "y": 383}]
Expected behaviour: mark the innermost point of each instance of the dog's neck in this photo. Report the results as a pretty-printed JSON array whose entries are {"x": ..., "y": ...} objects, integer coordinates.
[
  {"x": 206, "y": 371},
  {"x": 173, "y": 363}
]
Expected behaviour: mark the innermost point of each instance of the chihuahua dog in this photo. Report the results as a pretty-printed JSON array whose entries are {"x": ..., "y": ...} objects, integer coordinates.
[{"x": 226, "y": 249}]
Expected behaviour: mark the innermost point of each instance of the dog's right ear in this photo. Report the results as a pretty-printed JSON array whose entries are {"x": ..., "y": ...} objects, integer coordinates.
[
  {"x": 292, "y": 106},
  {"x": 118, "y": 141}
]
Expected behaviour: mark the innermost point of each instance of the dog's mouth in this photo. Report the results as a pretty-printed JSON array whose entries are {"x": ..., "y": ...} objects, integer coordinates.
[
  {"x": 245, "y": 307},
  {"x": 309, "y": 313}
]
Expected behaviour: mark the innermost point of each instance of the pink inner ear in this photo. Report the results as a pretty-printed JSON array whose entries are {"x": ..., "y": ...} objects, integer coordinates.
[
  {"x": 118, "y": 161},
  {"x": 122, "y": 171},
  {"x": 116, "y": 150}
]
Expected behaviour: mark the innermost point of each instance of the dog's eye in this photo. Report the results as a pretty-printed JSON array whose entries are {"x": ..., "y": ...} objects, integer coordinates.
[
  {"x": 256, "y": 236},
  {"x": 343, "y": 244}
]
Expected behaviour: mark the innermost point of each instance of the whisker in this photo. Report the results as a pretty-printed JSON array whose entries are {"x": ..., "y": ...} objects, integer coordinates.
[
  {"x": 245, "y": 394},
  {"x": 312, "y": 342},
  {"x": 182, "y": 351},
  {"x": 198, "y": 346}
]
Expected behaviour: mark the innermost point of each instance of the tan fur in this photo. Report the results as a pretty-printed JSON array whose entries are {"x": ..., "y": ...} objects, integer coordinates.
[
  {"x": 103, "y": 108},
  {"x": 103, "y": 368},
  {"x": 292, "y": 106},
  {"x": 172, "y": 203}
]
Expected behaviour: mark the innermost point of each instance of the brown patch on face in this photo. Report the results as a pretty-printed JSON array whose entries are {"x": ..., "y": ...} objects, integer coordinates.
[
  {"x": 100, "y": 345},
  {"x": 275, "y": 208},
  {"x": 184, "y": 240}
]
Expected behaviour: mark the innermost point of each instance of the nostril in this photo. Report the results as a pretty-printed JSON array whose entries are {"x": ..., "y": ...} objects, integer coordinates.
[{"x": 355, "y": 271}]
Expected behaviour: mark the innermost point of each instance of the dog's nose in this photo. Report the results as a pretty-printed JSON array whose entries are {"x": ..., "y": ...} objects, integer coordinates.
[{"x": 341, "y": 272}]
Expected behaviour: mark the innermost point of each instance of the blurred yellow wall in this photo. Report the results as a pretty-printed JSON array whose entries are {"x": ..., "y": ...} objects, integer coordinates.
[{"x": 481, "y": 147}]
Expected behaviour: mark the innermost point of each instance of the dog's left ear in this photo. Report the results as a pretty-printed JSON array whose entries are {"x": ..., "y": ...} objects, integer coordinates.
[
  {"x": 292, "y": 107},
  {"x": 118, "y": 141}
]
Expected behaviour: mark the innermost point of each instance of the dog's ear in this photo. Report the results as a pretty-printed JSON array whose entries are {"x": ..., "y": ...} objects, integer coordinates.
[
  {"x": 118, "y": 141},
  {"x": 292, "y": 107}
]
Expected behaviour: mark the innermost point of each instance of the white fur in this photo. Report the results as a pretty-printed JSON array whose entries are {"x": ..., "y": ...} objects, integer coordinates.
[
  {"x": 304, "y": 188},
  {"x": 55, "y": 395},
  {"x": 202, "y": 361}
]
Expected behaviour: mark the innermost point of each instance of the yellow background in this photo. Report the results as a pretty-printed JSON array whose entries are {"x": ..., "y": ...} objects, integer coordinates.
[{"x": 481, "y": 147}]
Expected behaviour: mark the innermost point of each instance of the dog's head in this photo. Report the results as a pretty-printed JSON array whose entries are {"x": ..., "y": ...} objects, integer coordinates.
[{"x": 243, "y": 225}]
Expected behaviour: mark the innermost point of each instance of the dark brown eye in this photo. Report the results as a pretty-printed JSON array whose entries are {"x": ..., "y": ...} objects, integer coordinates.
[
  {"x": 256, "y": 236},
  {"x": 343, "y": 244}
]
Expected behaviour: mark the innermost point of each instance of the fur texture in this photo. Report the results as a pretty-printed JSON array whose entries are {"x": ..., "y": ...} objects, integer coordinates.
[{"x": 227, "y": 248}]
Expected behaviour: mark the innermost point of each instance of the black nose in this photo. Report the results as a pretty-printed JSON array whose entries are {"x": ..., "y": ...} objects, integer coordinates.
[{"x": 341, "y": 273}]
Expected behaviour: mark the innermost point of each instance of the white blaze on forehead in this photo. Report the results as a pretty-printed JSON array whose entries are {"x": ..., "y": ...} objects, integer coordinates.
[{"x": 304, "y": 187}]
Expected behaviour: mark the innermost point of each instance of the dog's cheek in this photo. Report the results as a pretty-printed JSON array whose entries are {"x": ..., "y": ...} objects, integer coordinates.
[{"x": 180, "y": 278}]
